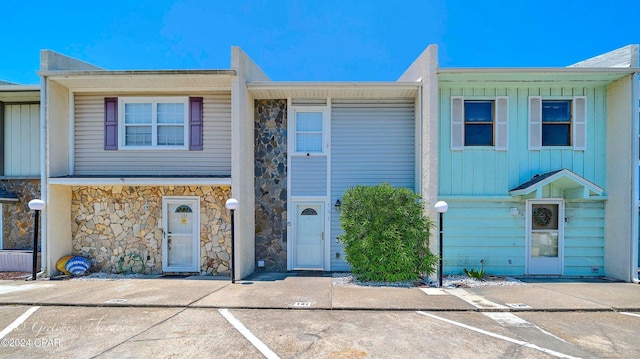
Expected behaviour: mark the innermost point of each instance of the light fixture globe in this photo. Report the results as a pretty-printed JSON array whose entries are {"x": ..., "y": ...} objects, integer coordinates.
[
  {"x": 232, "y": 204},
  {"x": 441, "y": 206},
  {"x": 37, "y": 204}
]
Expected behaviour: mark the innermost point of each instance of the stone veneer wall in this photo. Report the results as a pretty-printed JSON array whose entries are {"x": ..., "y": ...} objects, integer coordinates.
[
  {"x": 110, "y": 221},
  {"x": 17, "y": 218},
  {"x": 271, "y": 183}
]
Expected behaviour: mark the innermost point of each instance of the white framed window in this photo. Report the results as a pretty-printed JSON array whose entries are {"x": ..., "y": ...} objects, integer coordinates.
[
  {"x": 310, "y": 134},
  {"x": 557, "y": 122},
  {"x": 153, "y": 123},
  {"x": 479, "y": 123}
]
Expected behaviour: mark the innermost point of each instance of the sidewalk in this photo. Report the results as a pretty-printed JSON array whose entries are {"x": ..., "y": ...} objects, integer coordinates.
[{"x": 287, "y": 291}]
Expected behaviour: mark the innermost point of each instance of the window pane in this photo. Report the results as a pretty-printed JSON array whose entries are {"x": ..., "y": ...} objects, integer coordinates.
[
  {"x": 544, "y": 244},
  {"x": 556, "y": 135},
  {"x": 137, "y": 113},
  {"x": 556, "y": 111},
  {"x": 138, "y": 136},
  {"x": 309, "y": 121},
  {"x": 478, "y": 111},
  {"x": 170, "y": 113},
  {"x": 478, "y": 135},
  {"x": 309, "y": 142},
  {"x": 170, "y": 135}
]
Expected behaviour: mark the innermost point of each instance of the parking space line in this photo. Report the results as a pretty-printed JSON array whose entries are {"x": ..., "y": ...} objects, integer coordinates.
[
  {"x": 498, "y": 336},
  {"x": 434, "y": 291},
  {"x": 512, "y": 320},
  {"x": 630, "y": 314},
  {"x": 475, "y": 300},
  {"x": 257, "y": 343},
  {"x": 18, "y": 321},
  {"x": 508, "y": 319}
]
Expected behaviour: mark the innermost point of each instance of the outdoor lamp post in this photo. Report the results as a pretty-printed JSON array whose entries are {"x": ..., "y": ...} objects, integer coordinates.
[
  {"x": 36, "y": 205},
  {"x": 441, "y": 208},
  {"x": 232, "y": 205}
]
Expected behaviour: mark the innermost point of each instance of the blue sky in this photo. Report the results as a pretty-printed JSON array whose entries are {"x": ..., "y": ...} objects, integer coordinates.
[{"x": 313, "y": 40}]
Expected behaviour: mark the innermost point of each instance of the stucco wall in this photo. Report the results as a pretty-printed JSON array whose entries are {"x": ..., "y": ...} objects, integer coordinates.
[
  {"x": 620, "y": 207},
  {"x": 271, "y": 183},
  {"x": 111, "y": 221},
  {"x": 242, "y": 159}
]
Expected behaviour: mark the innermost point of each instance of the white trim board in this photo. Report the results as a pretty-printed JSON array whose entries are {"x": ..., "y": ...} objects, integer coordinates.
[{"x": 140, "y": 181}]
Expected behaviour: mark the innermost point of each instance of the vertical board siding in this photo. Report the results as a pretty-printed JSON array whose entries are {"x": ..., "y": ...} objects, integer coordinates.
[
  {"x": 476, "y": 230},
  {"x": 22, "y": 140},
  {"x": 308, "y": 176},
  {"x": 371, "y": 142},
  {"x": 488, "y": 172},
  {"x": 92, "y": 159}
]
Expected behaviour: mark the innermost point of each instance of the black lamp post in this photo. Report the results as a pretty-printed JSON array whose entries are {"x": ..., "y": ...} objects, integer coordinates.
[
  {"x": 232, "y": 205},
  {"x": 441, "y": 208},
  {"x": 36, "y": 205}
]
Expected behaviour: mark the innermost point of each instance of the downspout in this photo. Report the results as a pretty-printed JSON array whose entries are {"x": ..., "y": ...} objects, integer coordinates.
[
  {"x": 635, "y": 129},
  {"x": 43, "y": 174}
]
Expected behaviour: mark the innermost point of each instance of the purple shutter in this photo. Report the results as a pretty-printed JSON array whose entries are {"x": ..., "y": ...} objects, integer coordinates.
[
  {"x": 195, "y": 123},
  {"x": 110, "y": 123}
]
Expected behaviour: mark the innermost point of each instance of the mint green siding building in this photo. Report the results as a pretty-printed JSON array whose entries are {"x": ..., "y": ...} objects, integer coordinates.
[{"x": 534, "y": 164}]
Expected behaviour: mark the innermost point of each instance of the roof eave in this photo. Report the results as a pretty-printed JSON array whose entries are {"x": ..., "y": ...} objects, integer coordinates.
[
  {"x": 330, "y": 85},
  {"x": 538, "y": 70},
  {"x": 19, "y": 88},
  {"x": 319, "y": 90},
  {"x": 54, "y": 74}
]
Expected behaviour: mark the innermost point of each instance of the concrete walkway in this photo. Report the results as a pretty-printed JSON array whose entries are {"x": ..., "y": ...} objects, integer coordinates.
[{"x": 287, "y": 291}]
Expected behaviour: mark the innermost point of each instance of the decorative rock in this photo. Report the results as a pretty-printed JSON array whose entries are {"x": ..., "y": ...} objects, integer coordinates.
[
  {"x": 120, "y": 226},
  {"x": 117, "y": 229},
  {"x": 271, "y": 182}
]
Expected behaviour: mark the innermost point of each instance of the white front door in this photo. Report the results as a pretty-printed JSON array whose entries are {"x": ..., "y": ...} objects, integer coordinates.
[
  {"x": 181, "y": 239},
  {"x": 309, "y": 236},
  {"x": 545, "y": 237}
]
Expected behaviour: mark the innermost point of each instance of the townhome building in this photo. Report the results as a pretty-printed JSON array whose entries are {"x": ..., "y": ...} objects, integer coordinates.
[
  {"x": 536, "y": 164},
  {"x": 139, "y": 165}
]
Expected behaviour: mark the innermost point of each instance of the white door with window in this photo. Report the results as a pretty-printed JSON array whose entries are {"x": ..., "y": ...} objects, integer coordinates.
[
  {"x": 545, "y": 237},
  {"x": 181, "y": 234},
  {"x": 309, "y": 239}
]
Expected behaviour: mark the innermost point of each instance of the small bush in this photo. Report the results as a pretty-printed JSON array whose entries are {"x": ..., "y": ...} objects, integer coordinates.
[
  {"x": 474, "y": 273},
  {"x": 386, "y": 234}
]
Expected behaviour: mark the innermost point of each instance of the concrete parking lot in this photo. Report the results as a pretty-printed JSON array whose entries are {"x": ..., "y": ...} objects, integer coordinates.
[
  {"x": 313, "y": 318},
  {"x": 108, "y": 332}
]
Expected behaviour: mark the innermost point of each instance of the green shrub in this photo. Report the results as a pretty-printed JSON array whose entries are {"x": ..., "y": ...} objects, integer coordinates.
[
  {"x": 386, "y": 234},
  {"x": 474, "y": 273}
]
